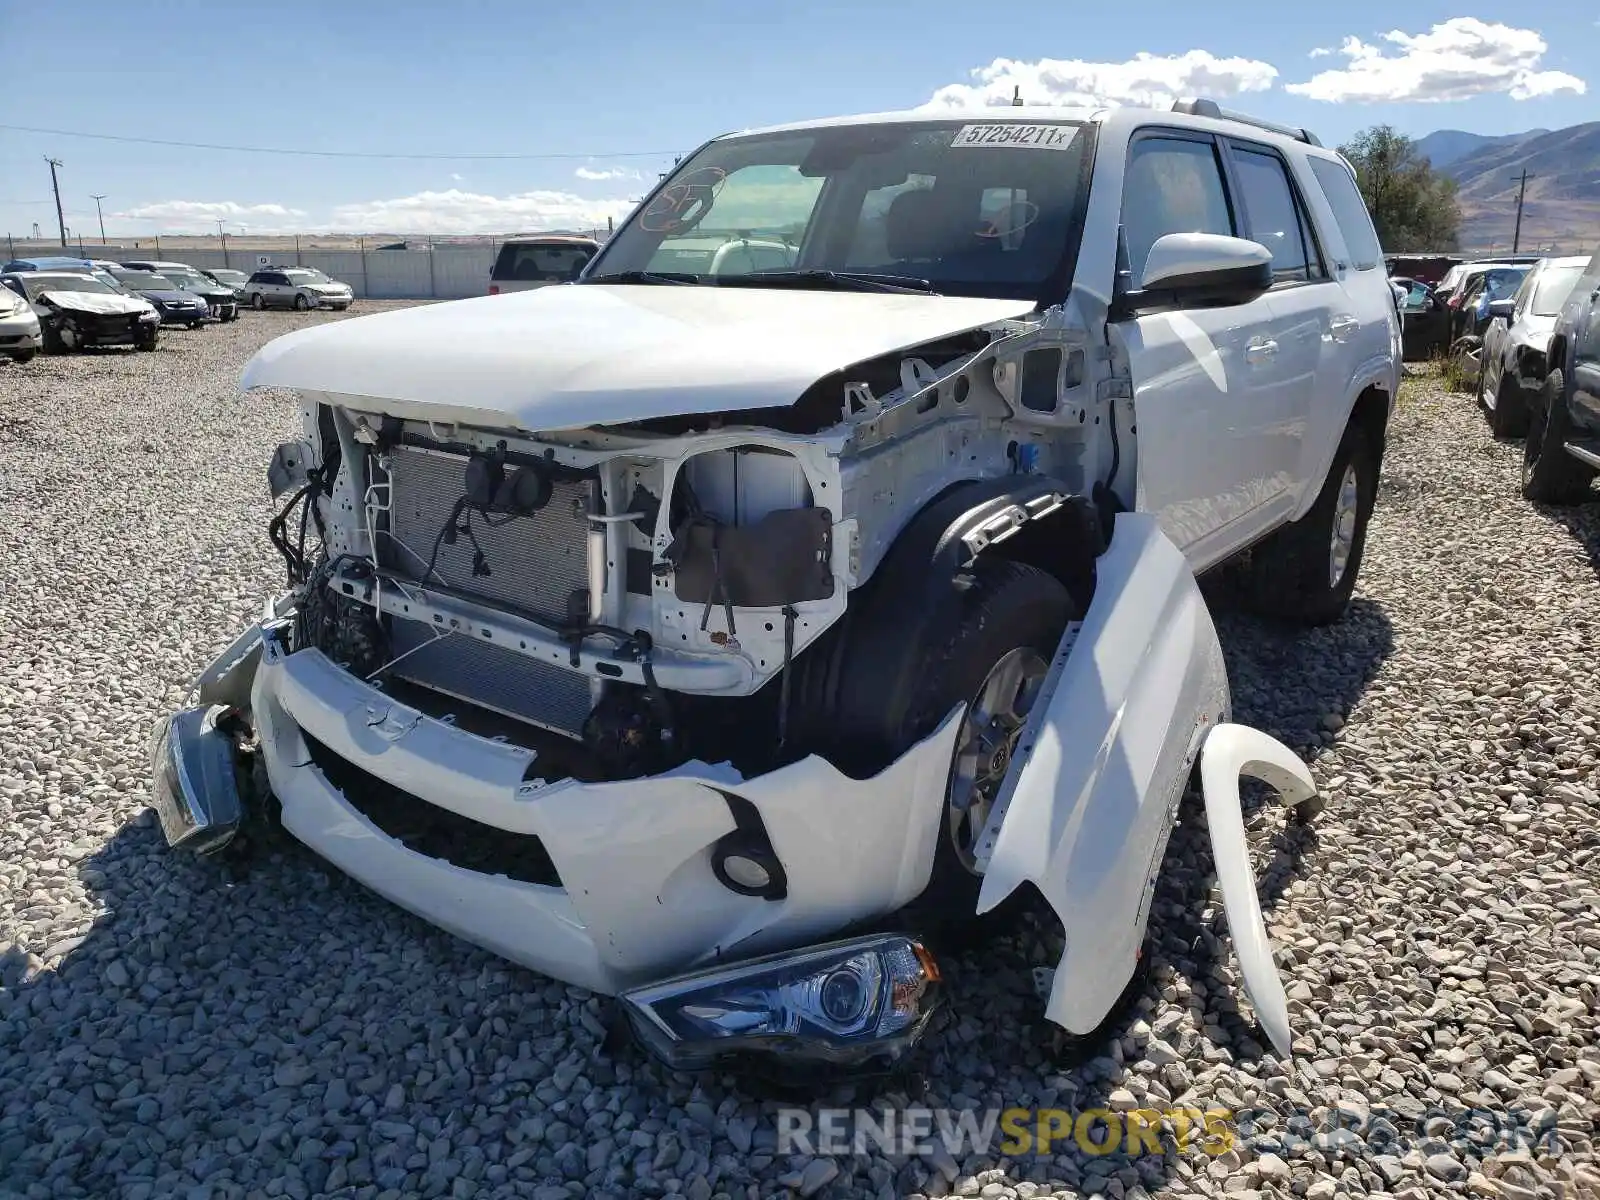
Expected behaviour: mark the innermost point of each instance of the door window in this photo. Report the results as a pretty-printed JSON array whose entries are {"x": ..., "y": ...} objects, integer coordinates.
[
  {"x": 1172, "y": 185},
  {"x": 1273, "y": 217},
  {"x": 1349, "y": 213}
]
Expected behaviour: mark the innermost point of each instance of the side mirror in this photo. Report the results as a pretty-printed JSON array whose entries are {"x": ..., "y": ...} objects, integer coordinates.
[
  {"x": 1503, "y": 308},
  {"x": 1200, "y": 268}
]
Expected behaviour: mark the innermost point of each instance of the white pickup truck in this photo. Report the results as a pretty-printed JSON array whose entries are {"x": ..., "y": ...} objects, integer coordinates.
[{"x": 655, "y": 629}]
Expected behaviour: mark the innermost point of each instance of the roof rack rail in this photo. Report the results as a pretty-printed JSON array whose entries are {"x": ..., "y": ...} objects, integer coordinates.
[{"x": 1210, "y": 108}]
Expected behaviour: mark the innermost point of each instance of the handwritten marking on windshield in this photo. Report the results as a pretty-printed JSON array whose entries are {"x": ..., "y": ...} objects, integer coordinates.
[{"x": 1012, "y": 134}]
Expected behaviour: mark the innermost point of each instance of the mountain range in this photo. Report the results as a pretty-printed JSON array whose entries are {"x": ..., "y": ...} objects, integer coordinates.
[{"x": 1562, "y": 206}]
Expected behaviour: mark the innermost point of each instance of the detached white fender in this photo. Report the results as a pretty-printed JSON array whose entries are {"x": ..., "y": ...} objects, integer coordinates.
[{"x": 1132, "y": 696}]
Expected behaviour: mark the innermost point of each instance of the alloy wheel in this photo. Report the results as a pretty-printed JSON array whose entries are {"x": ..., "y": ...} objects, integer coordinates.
[
  {"x": 986, "y": 745},
  {"x": 1346, "y": 506}
]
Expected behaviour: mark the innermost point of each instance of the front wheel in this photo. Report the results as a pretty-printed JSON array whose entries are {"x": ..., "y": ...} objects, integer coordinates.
[
  {"x": 147, "y": 343},
  {"x": 1508, "y": 415},
  {"x": 1549, "y": 474},
  {"x": 301, "y": 303},
  {"x": 22, "y": 356},
  {"x": 258, "y": 301},
  {"x": 988, "y": 646},
  {"x": 1306, "y": 571}
]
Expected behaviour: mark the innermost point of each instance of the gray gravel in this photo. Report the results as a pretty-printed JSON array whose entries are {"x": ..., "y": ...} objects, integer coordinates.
[{"x": 168, "y": 1029}]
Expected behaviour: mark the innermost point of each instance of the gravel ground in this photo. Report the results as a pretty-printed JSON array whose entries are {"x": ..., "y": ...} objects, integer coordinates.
[{"x": 167, "y": 1029}]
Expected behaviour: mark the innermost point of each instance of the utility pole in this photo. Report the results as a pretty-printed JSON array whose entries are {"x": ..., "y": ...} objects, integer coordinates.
[
  {"x": 61, "y": 221},
  {"x": 101, "y": 215},
  {"x": 1522, "y": 189}
]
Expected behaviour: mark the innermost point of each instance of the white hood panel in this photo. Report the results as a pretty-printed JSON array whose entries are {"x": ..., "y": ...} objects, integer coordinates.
[
  {"x": 597, "y": 354},
  {"x": 104, "y": 303}
]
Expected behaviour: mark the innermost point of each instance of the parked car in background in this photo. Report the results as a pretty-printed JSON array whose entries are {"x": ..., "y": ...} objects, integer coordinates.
[
  {"x": 296, "y": 287},
  {"x": 531, "y": 262},
  {"x": 1562, "y": 452},
  {"x": 1425, "y": 268},
  {"x": 228, "y": 278},
  {"x": 50, "y": 262},
  {"x": 20, "y": 334},
  {"x": 1425, "y": 328},
  {"x": 176, "y": 306},
  {"x": 1517, "y": 341},
  {"x": 221, "y": 303},
  {"x": 77, "y": 311},
  {"x": 1467, "y": 305}
]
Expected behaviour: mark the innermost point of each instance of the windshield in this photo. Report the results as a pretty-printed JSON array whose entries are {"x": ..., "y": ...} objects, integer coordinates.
[
  {"x": 64, "y": 283},
  {"x": 1552, "y": 288},
  {"x": 976, "y": 209},
  {"x": 1499, "y": 284}
]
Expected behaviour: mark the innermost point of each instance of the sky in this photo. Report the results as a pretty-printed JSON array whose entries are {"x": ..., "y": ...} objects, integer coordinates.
[{"x": 585, "y": 104}]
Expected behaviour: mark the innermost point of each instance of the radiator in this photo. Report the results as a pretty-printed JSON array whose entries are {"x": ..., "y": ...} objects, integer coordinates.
[
  {"x": 537, "y": 564},
  {"x": 491, "y": 676}
]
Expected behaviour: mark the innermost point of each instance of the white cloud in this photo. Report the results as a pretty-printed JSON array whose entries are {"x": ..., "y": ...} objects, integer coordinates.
[
  {"x": 1320, "y": 52},
  {"x": 200, "y": 214},
  {"x": 1146, "y": 79},
  {"x": 1455, "y": 60},
  {"x": 596, "y": 174},
  {"x": 456, "y": 211},
  {"x": 455, "y": 178}
]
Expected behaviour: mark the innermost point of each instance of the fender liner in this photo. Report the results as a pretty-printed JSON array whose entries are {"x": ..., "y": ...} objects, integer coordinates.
[{"x": 916, "y": 584}]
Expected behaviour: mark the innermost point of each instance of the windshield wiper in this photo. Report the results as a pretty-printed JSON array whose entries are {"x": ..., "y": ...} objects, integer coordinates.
[
  {"x": 677, "y": 277},
  {"x": 848, "y": 281}
]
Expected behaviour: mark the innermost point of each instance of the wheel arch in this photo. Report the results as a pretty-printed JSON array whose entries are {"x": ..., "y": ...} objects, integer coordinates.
[
  {"x": 1033, "y": 520},
  {"x": 1369, "y": 409}
]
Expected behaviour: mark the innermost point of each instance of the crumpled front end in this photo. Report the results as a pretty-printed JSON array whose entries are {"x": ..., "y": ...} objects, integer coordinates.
[{"x": 606, "y": 885}]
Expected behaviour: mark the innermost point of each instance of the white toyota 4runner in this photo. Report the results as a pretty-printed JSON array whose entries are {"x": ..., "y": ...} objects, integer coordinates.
[{"x": 655, "y": 629}]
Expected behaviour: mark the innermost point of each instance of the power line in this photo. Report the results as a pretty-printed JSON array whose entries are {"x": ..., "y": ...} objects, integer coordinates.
[{"x": 112, "y": 137}]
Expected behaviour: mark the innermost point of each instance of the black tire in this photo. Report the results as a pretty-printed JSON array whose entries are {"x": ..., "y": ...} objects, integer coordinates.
[
  {"x": 1509, "y": 416},
  {"x": 1291, "y": 574},
  {"x": 1549, "y": 474},
  {"x": 22, "y": 356},
  {"x": 898, "y": 691},
  {"x": 145, "y": 345},
  {"x": 258, "y": 301},
  {"x": 52, "y": 339},
  {"x": 301, "y": 303}
]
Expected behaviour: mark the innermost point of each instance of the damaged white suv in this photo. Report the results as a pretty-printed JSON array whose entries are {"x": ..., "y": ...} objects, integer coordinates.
[{"x": 652, "y": 630}]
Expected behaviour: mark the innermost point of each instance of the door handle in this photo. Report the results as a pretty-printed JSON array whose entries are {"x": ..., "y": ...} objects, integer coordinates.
[
  {"x": 1260, "y": 351},
  {"x": 1342, "y": 327}
]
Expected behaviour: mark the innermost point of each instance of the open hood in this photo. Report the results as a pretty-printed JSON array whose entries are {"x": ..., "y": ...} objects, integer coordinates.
[
  {"x": 101, "y": 303},
  {"x": 599, "y": 354}
]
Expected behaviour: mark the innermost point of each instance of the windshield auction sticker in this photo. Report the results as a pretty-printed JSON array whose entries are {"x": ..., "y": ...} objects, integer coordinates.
[{"x": 1013, "y": 133}]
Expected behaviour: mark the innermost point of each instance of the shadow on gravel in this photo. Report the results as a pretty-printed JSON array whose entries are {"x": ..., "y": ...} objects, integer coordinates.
[
  {"x": 1583, "y": 523},
  {"x": 222, "y": 1029}
]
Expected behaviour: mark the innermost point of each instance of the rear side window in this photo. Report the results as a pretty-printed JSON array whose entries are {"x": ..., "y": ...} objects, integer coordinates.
[
  {"x": 1172, "y": 185},
  {"x": 1350, "y": 211},
  {"x": 540, "y": 264},
  {"x": 1272, "y": 215}
]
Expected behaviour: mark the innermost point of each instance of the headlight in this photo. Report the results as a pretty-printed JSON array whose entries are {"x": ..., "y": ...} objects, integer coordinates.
[
  {"x": 150, "y": 315},
  {"x": 845, "y": 1003}
]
